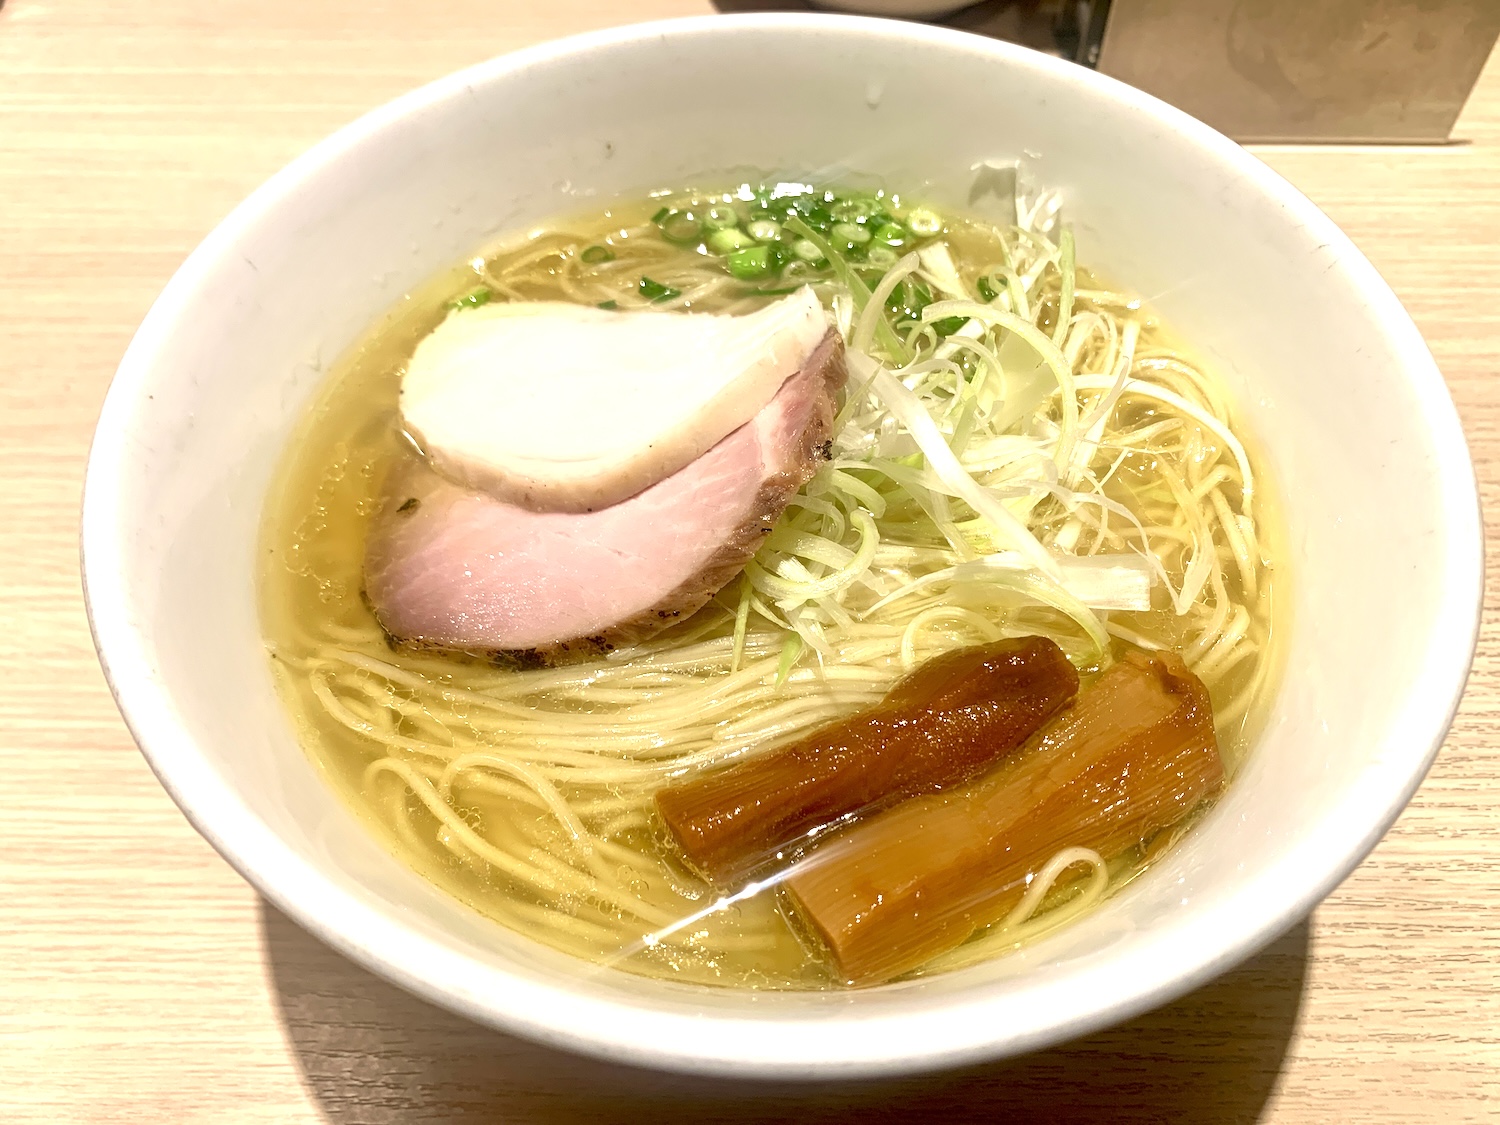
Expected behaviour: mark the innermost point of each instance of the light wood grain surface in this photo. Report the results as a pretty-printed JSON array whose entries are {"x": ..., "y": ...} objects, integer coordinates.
[{"x": 142, "y": 981}]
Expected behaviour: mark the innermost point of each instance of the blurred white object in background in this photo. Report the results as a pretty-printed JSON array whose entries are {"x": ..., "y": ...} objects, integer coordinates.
[{"x": 894, "y": 7}]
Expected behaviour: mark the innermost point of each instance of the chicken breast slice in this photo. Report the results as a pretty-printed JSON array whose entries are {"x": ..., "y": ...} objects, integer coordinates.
[{"x": 561, "y": 407}]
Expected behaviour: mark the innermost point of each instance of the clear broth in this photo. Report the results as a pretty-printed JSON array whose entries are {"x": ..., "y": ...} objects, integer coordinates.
[{"x": 316, "y": 520}]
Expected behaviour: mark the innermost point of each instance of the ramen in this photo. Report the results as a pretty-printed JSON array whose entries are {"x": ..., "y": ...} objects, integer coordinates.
[{"x": 1000, "y": 560}]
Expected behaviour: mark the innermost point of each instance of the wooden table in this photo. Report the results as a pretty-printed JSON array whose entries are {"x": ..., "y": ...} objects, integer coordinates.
[{"x": 142, "y": 981}]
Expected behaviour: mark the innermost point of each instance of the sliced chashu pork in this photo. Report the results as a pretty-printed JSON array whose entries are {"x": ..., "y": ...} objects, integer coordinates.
[
  {"x": 563, "y": 407},
  {"x": 456, "y": 568}
]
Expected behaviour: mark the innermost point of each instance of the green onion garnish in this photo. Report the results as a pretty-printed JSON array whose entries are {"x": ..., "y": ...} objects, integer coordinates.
[
  {"x": 610, "y": 304},
  {"x": 881, "y": 257},
  {"x": 750, "y": 263},
  {"x": 813, "y": 212},
  {"x": 907, "y": 300},
  {"x": 986, "y": 289},
  {"x": 849, "y": 234},
  {"x": 595, "y": 254},
  {"x": 720, "y": 218},
  {"x": 728, "y": 240},
  {"x": 949, "y": 325},
  {"x": 791, "y": 648},
  {"x": 807, "y": 250},
  {"x": 656, "y": 291},
  {"x": 924, "y": 223},
  {"x": 473, "y": 300},
  {"x": 891, "y": 234},
  {"x": 858, "y": 290},
  {"x": 680, "y": 226},
  {"x": 856, "y": 209},
  {"x": 764, "y": 230}
]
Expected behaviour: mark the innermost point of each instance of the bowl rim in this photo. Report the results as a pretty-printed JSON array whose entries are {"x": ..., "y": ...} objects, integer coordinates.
[{"x": 738, "y": 1045}]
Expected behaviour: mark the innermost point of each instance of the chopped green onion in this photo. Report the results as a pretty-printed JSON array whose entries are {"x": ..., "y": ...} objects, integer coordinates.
[
  {"x": 741, "y": 621},
  {"x": 893, "y": 345},
  {"x": 949, "y": 325},
  {"x": 595, "y": 254},
  {"x": 908, "y": 300},
  {"x": 473, "y": 300},
  {"x": 750, "y": 263},
  {"x": 807, "y": 250},
  {"x": 656, "y": 291},
  {"x": 764, "y": 230},
  {"x": 891, "y": 234},
  {"x": 721, "y": 217},
  {"x": 986, "y": 289},
  {"x": 850, "y": 234},
  {"x": 729, "y": 239},
  {"x": 924, "y": 223},
  {"x": 680, "y": 226},
  {"x": 813, "y": 212},
  {"x": 610, "y": 304},
  {"x": 855, "y": 210},
  {"x": 791, "y": 648},
  {"x": 660, "y": 215},
  {"x": 881, "y": 257}
]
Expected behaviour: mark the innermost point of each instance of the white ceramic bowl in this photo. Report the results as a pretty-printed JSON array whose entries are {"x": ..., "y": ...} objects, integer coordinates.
[{"x": 1383, "y": 573}]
